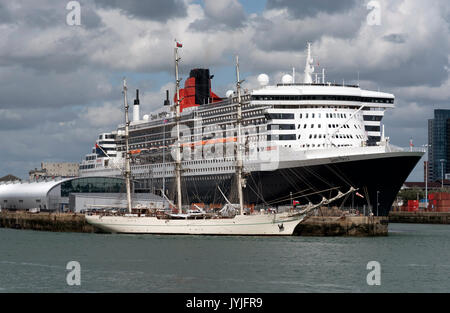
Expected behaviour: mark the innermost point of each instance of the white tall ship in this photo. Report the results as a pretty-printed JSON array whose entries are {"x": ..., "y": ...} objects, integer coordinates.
[{"x": 303, "y": 142}]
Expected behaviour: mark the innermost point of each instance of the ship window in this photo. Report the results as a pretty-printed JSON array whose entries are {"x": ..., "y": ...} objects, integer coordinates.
[
  {"x": 373, "y": 128},
  {"x": 280, "y": 126},
  {"x": 284, "y": 116},
  {"x": 372, "y": 117}
]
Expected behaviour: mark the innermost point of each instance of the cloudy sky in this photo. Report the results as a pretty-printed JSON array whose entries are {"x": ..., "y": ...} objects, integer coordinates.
[{"x": 61, "y": 84}]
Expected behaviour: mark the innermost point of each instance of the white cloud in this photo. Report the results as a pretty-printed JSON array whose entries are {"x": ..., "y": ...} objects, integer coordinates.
[
  {"x": 426, "y": 92},
  {"x": 107, "y": 114}
]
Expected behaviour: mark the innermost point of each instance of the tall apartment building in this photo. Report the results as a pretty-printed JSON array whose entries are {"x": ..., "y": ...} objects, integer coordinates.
[{"x": 439, "y": 145}]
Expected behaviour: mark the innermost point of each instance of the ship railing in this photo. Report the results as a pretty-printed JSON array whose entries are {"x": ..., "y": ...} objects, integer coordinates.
[
  {"x": 392, "y": 148},
  {"x": 318, "y": 84}
]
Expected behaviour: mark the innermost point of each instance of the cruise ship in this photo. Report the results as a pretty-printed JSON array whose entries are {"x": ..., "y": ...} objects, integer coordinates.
[
  {"x": 300, "y": 142},
  {"x": 104, "y": 158}
]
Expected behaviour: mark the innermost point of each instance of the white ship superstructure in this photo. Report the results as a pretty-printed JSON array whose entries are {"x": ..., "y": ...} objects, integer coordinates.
[{"x": 104, "y": 159}]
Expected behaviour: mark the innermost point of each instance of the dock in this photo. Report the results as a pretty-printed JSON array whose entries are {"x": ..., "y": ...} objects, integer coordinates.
[
  {"x": 54, "y": 222},
  {"x": 419, "y": 217},
  {"x": 357, "y": 226},
  {"x": 313, "y": 226}
]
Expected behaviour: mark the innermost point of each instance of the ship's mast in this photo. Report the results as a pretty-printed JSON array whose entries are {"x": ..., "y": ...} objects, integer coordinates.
[
  {"x": 127, "y": 157},
  {"x": 177, "y": 120},
  {"x": 239, "y": 141}
]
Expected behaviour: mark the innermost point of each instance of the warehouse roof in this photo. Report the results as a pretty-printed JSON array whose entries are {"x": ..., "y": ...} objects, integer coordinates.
[
  {"x": 40, "y": 189},
  {"x": 28, "y": 189}
]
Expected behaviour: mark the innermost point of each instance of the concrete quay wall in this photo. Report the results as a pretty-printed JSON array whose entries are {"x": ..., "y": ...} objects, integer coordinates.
[
  {"x": 359, "y": 226},
  {"x": 420, "y": 217},
  {"x": 55, "y": 222}
]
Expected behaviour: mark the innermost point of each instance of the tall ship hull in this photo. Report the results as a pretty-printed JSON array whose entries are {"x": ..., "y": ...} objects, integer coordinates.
[{"x": 241, "y": 225}]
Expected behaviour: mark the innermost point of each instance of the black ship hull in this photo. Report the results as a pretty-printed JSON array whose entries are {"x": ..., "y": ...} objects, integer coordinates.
[{"x": 378, "y": 181}]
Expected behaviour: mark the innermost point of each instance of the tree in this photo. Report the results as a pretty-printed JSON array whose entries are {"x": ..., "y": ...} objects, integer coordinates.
[{"x": 414, "y": 193}]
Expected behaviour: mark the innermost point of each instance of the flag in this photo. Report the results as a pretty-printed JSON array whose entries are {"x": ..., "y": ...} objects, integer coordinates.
[
  {"x": 99, "y": 151},
  {"x": 179, "y": 45},
  {"x": 295, "y": 202},
  {"x": 411, "y": 143},
  {"x": 359, "y": 195}
]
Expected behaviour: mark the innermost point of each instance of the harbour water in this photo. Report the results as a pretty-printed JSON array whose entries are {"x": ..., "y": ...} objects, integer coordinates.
[{"x": 413, "y": 258}]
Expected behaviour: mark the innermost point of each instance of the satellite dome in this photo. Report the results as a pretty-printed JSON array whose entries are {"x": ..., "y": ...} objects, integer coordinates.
[
  {"x": 145, "y": 117},
  {"x": 229, "y": 93},
  {"x": 286, "y": 79},
  {"x": 263, "y": 79}
]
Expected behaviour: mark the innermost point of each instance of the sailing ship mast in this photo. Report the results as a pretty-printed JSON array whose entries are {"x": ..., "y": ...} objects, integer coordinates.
[
  {"x": 239, "y": 141},
  {"x": 127, "y": 157},
  {"x": 177, "y": 120}
]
